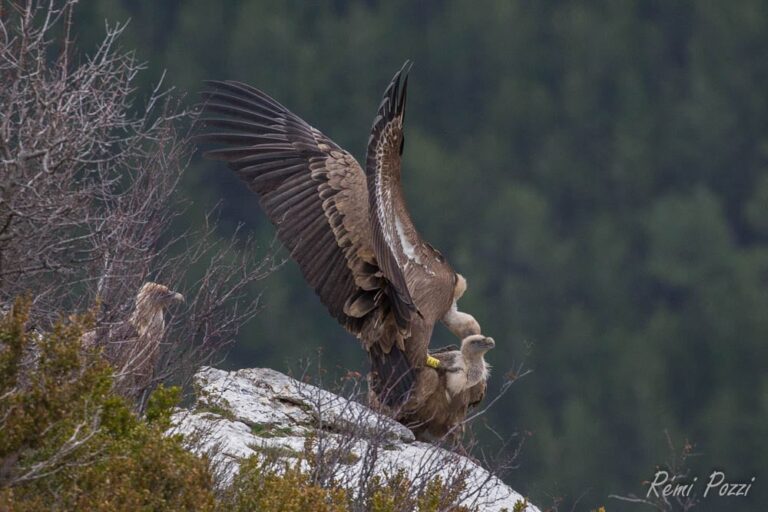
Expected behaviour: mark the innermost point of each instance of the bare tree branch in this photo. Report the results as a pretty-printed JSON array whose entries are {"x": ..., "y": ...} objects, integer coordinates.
[{"x": 90, "y": 198}]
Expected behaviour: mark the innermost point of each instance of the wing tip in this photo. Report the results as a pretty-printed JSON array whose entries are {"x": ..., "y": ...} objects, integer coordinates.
[{"x": 393, "y": 103}]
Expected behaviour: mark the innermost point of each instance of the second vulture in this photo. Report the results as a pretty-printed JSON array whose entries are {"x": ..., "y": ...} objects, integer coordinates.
[{"x": 352, "y": 236}]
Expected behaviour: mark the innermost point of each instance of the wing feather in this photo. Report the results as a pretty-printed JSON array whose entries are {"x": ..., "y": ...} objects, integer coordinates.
[
  {"x": 383, "y": 172},
  {"x": 314, "y": 192}
]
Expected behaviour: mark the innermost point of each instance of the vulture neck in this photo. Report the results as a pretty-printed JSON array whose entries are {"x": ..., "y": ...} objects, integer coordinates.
[
  {"x": 148, "y": 319},
  {"x": 477, "y": 368},
  {"x": 460, "y": 324}
]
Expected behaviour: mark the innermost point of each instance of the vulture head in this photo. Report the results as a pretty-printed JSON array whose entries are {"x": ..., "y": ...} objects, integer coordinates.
[
  {"x": 157, "y": 296},
  {"x": 473, "y": 349},
  {"x": 151, "y": 301},
  {"x": 476, "y": 345}
]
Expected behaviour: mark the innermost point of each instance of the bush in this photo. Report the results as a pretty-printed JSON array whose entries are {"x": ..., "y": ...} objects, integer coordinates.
[
  {"x": 271, "y": 483},
  {"x": 70, "y": 443},
  {"x": 265, "y": 485}
]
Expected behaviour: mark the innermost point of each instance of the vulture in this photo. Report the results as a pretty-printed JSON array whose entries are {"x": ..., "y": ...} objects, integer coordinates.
[
  {"x": 454, "y": 381},
  {"x": 133, "y": 346},
  {"x": 466, "y": 367},
  {"x": 348, "y": 228}
]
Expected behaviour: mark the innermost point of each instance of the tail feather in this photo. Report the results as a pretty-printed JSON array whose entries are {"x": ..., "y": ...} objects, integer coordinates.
[{"x": 393, "y": 376}]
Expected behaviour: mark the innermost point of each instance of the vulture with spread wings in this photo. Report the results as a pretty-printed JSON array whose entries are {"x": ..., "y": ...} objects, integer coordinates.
[{"x": 348, "y": 228}]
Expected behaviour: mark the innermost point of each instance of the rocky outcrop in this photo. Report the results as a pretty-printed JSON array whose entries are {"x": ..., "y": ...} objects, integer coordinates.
[{"x": 262, "y": 411}]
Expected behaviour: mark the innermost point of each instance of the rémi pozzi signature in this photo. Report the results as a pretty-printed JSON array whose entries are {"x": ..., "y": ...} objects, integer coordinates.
[{"x": 664, "y": 486}]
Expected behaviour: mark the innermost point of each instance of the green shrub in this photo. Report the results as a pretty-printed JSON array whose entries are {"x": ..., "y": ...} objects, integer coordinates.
[
  {"x": 269, "y": 483},
  {"x": 264, "y": 485},
  {"x": 70, "y": 443},
  {"x": 395, "y": 493}
]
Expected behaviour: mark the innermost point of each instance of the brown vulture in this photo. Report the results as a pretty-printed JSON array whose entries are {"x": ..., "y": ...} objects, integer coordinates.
[
  {"x": 347, "y": 227},
  {"x": 444, "y": 392},
  {"x": 133, "y": 345}
]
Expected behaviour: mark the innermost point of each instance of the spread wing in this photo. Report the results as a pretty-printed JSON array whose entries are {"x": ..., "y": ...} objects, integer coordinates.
[
  {"x": 316, "y": 195},
  {"x": 382, "y": 168}
]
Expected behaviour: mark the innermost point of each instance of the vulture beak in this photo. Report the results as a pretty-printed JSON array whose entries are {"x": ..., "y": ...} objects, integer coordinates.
[
  {"x": 175, "y": 297},
  {"x": 488, "y": 343}
]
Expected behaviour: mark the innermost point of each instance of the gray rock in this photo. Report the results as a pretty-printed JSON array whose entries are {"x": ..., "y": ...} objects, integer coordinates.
[{"x": 262, "y": 411}]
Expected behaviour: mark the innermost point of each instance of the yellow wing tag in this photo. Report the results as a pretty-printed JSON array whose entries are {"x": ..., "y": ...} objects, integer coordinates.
[{"x": 433, "y": 362}]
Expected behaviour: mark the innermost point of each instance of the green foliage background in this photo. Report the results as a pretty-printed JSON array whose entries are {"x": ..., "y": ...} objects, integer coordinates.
[{"x": 598, "y": 172}]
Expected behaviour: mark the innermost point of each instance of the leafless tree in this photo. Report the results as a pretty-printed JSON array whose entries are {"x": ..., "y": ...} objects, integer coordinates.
[{"x": 90, "y": 198}]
